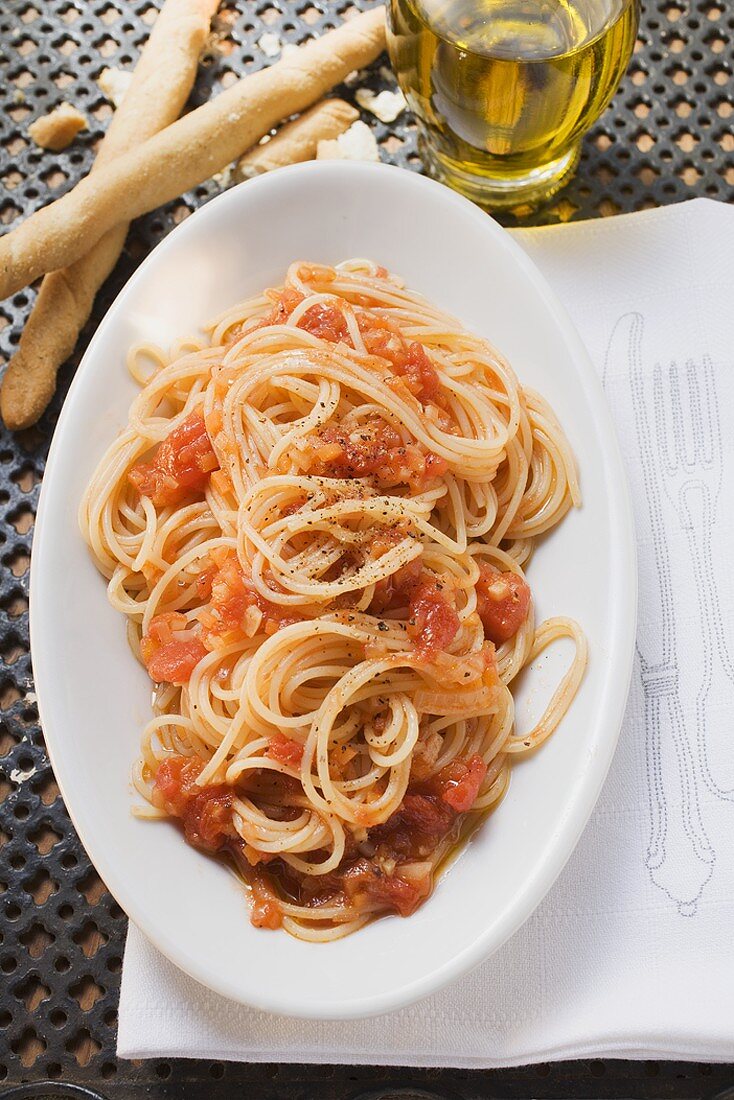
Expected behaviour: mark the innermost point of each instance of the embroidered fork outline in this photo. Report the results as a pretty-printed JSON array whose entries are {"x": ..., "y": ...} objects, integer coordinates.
[
  {"x": 661, "y": 682},
  {"x": 685, "y": 475}
]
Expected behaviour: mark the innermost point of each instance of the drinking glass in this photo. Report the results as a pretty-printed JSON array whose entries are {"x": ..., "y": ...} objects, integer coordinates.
[{"x": 504, "y": 90}]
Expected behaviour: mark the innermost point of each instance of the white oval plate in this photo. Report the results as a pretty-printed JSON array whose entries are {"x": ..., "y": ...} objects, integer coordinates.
[{"x": 94, "y": 698}]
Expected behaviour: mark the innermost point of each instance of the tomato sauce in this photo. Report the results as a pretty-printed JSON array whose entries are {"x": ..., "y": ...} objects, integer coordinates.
[
  {"x": 409, "y": 361},
  {"x": 419, "y": 374},
  {"x": 395, "y": 877},
  {"x": 503, "y": 602},
  {"x": 374, "y": 449},
  {"x": 206, "y": 816},
  {"x": 170, "y": 649},
  {"x": 458, "y": 784},
  {"x": 422, "y": 820},
  {"x": 285, "y": 750},
  {"x": 265, "y": 912},
  {"x": 393, "y": 593},
  {"x": 180, "y": 467},
  {"x": 231, "y": 595},
  {"x": 205, "y": 812},
  {"x": 432, "y": 620},
  {"x": 284, "y": 302},
  {"x": 322, "y": 319},
  {"x": 369, "y": 887},
  {"x": 327, "y": 322}
]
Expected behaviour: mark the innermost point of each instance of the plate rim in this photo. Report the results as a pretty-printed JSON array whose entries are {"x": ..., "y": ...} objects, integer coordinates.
[{"x": 620, "y": 663}]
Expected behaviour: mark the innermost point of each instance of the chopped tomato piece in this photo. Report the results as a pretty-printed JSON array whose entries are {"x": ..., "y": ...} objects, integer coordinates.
[
  {"x": 232, "y": 596},
  {"x": 325, "y": 321},
  {"x": 356, "y": 453},
  {"x": 409, "y": 361},
  {"x": 420, "y": 822},
  {"x": 419, "y": 374},
  {"x": 180, "y": 466},
  {"x": 373, "y": 449},
  {"x": 285, "y": 750},
  {"x": 204, "y": 581},
  {"x": 425, "y": 754},
  {"x": 381, "y": 337},
  {"x": 254, "y": 856},
  {"x": 284, "y": 302},
  {"x": 265, "y": 912},
  {"x": 292, "y": 508},
  {"x": 394, "y": 592},
  {"x": 460, "y": 781},
  {"x": 171, "y": 651},
  {"x": 206, "y": 812},
  {"x": 368, "y": 887},
  {"x": 503, "y": 600},
  {"x": 436, "y": 466},
  {"x": 432, "y": 621},
  {"x": 174, "y": 663}
]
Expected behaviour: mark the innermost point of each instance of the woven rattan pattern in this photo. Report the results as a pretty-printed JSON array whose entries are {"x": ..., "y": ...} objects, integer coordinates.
[{"x": 666, "y": 137}]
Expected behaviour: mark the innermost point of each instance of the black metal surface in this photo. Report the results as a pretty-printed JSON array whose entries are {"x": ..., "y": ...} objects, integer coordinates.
[
  {"x": 666, "y": 137},
  {"x": 49, "y": 1090}
]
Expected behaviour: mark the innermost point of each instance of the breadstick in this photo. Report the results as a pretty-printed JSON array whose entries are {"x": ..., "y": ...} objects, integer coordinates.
[
  {"x": 298, "y": 140},
  {"x": 187, "y": 152},
  {"x": 57, "y": 318},
  {"x": 159, "y": 88}
]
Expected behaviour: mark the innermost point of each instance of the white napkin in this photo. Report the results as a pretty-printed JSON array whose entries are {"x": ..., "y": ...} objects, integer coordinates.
[{"x": 632, "y": 952}]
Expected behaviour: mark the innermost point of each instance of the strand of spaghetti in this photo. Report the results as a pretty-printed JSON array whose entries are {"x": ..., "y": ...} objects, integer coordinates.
[
  {"x": 160, "y": 86},
  {"x": 550, "y": 631},
  {"x": 483, "y": 435},
  {"x": 187, "y": 152}
]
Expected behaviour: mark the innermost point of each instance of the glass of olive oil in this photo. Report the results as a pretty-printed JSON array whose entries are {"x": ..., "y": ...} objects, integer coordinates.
[{"x": 504, "y": 90}]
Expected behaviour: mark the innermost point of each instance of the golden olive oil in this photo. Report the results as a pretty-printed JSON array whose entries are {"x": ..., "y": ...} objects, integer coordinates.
[{"x": 503, "y": 90}]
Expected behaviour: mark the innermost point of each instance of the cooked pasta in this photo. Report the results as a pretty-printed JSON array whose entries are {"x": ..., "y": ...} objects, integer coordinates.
[{"x": 316, "y": 523}]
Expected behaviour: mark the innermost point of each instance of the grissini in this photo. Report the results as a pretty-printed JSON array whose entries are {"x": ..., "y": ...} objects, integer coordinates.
[
  {"x": 187, "y": 152},
  {"x": 298, "y": 140},
  {"x": 161, "y": 83}
]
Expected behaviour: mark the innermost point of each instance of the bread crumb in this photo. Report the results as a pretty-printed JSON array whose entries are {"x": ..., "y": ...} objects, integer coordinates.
[
  {"x": 218, "y": 42},
  {"x": 223, "y": 179},
  {"x": 355, "y": 77},
  {"x": 356, "y": 143},
  {"x": 57, "y": 129},
  {"x": 114, "y": 83},
  {"x": 386, "y": 105},
  {"x": 270, "y": 44}
]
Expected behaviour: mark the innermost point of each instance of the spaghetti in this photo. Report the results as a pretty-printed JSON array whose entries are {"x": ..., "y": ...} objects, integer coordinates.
[{"x": 316, "y": 523}]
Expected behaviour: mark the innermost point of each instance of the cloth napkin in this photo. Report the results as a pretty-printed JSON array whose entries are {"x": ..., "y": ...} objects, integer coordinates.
[{"x": 632, "y": 952}]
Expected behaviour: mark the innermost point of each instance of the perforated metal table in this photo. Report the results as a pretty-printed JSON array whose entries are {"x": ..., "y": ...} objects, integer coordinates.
[{"x": 666, "y": 137}]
